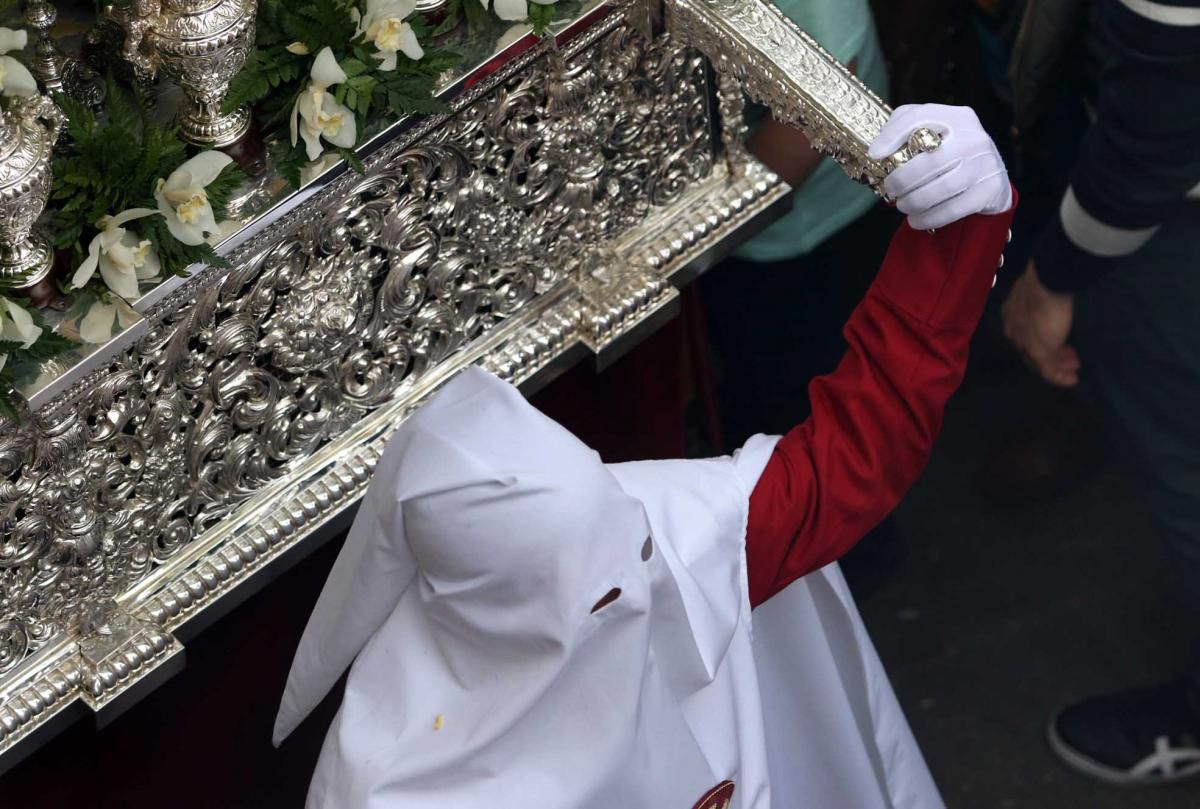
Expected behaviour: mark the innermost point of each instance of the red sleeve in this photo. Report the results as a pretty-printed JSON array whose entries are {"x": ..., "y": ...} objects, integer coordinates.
[{"x": 874, "y": 419}]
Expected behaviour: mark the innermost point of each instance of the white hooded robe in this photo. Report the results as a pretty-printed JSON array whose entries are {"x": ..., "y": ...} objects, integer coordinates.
[{"x": 527, "y": 627}]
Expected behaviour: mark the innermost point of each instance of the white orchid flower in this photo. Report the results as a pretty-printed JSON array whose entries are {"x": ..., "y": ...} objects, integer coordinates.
[
  {"x": 17, "y": 326},
  {"x": 384, "y": 26},
  {"x": 515, "y": 10},
  {"x": 15, "y": 78},
  {"x": 183, "y": 200},
  {"x": 317, "y": 113},
  {"x": 122, "y": 258},
  {"x": 100, "y": 322}
]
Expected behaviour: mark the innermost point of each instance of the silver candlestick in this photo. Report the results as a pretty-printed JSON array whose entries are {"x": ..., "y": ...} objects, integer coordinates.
[
  {"x": 201, "y": 45},
  {"x": 28, "y": 130},
  {"x": 55, "y": 71}
]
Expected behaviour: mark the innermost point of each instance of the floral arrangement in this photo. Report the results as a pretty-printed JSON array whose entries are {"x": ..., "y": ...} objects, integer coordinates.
[
  {"x": 130, "y": 207},
  {"x": 326, "y": 66}
]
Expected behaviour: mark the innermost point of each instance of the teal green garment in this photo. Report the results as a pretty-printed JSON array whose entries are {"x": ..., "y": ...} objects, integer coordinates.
[{"x": 829, "y": 200}]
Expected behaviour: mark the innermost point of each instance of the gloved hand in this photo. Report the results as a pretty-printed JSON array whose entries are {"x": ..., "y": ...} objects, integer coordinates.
[{"x": 963, "y": 176}]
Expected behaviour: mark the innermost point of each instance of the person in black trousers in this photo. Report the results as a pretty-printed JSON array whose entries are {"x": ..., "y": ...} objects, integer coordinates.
[{"x": 1110, "y": 301}]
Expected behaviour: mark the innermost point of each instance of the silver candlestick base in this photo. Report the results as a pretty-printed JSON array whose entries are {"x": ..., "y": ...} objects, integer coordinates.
[
  {"x": 202, "y": 123},
  {"x": 25, "y": 264}
]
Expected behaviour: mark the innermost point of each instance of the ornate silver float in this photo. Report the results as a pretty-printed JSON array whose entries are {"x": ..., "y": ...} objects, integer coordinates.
[{"x": 551, "y": 214}]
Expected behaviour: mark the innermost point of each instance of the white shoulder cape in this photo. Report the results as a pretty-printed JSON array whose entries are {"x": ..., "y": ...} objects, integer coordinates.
[{"x": 835, "y": 735}]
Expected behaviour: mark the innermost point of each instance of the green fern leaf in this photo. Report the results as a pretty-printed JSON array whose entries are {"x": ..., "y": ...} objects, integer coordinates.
[{"x": 221, "y": 189}]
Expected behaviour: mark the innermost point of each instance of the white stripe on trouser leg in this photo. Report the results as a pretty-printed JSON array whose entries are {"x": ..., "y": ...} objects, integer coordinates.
[
  {"x": 1090, "y": 234},
  {"x": 1194, "y": 193},
  {"x": 1162, "y": 13}
]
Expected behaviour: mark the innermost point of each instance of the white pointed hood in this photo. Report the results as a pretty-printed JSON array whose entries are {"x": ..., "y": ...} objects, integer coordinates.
[{"x": 467, "y": 592}]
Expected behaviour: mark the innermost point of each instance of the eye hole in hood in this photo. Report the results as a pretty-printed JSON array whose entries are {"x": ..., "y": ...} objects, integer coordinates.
[{"x": 608, "y": 598}]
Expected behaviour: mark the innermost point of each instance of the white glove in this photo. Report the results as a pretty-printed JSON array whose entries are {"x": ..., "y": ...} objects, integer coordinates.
[{"x": 963, "y": 176}]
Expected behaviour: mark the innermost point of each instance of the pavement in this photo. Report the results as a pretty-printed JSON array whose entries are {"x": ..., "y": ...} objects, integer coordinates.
[{"x": 997, "y": 614}]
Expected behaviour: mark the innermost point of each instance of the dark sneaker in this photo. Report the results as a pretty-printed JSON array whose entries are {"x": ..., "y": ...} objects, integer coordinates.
[{"x": 1145, "y": 736}]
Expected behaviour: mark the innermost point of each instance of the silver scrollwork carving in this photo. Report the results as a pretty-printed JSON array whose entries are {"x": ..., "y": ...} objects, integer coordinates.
[{"x": 783, "y": 68}]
